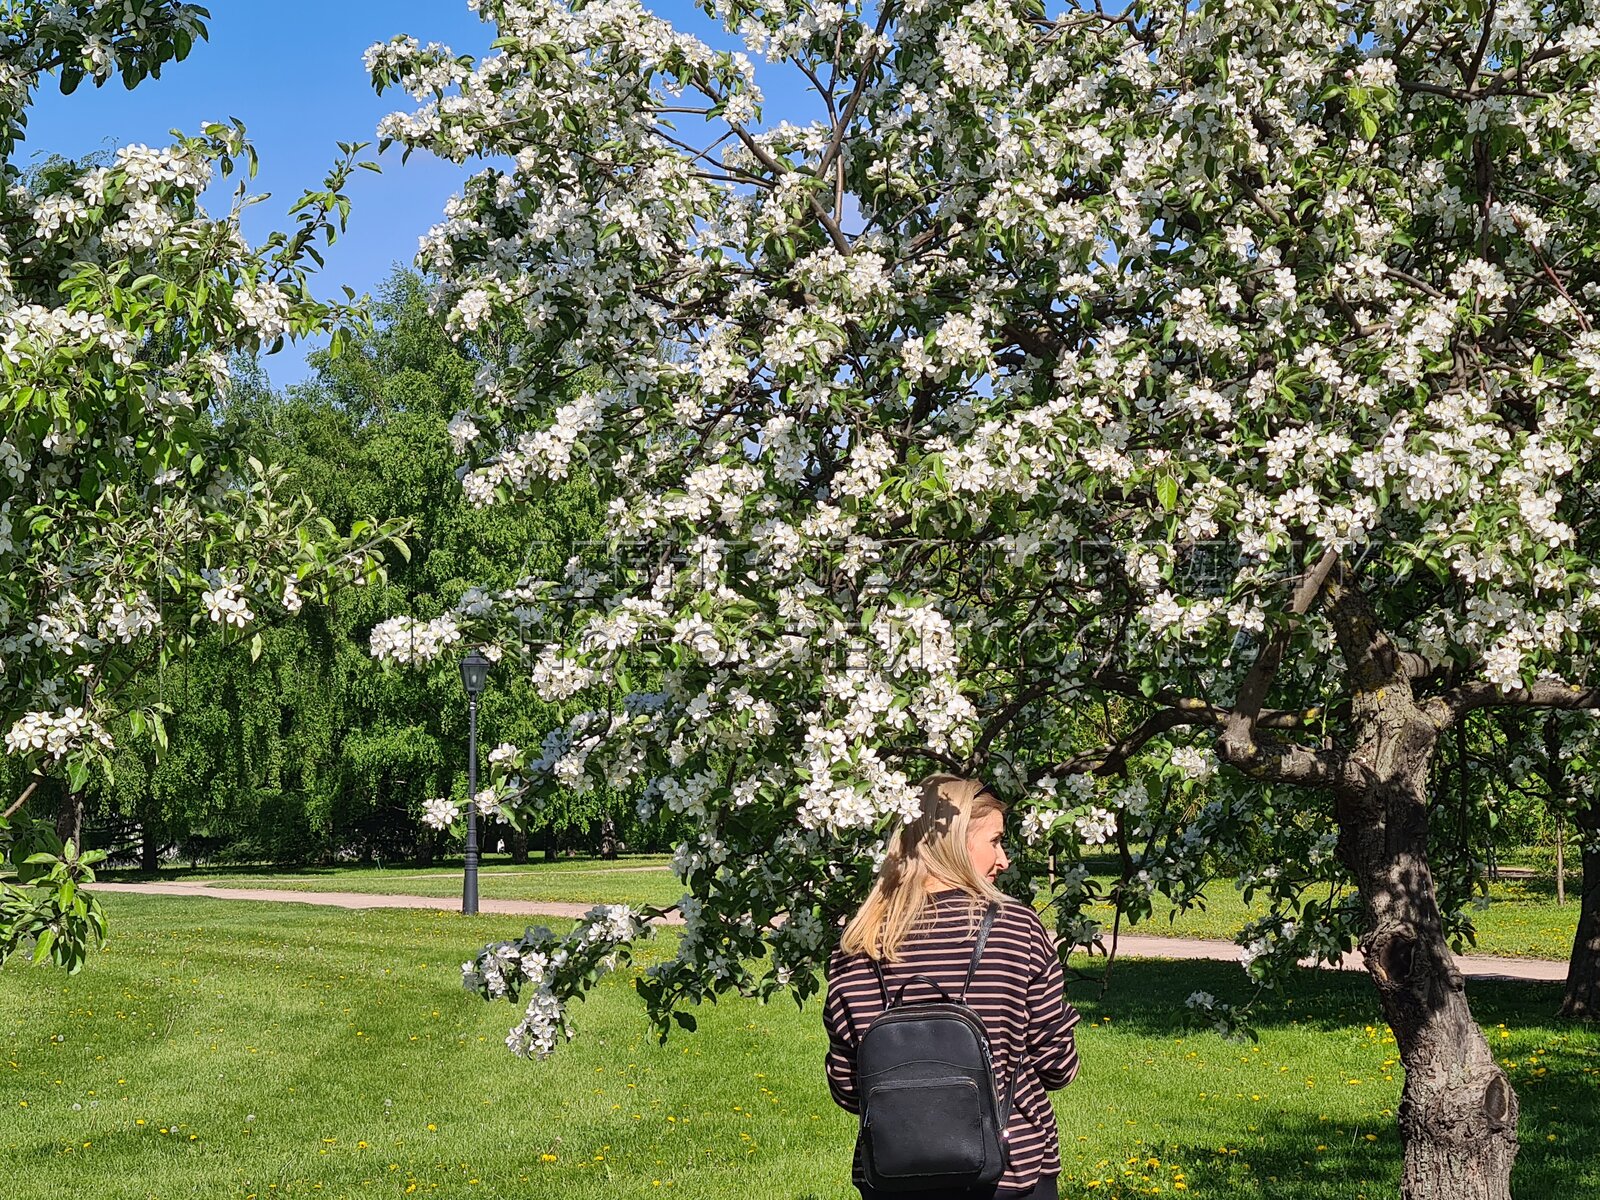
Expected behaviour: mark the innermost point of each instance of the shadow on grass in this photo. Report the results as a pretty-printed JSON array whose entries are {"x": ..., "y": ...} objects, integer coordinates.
[
  {"x": 1306, "y": 1159},
  {"x": 1302, "y": 1158},
  {"x": 1148, "y": 996},
  {"x": 1538, "y": 887},
  {"x": 1554, "y": 1065}
]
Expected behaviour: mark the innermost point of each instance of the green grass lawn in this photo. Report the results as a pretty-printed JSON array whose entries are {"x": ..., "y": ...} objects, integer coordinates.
[
  {"x": 1520, "y": 919},
  {"x": 641, "y": 880},
  {"x": 231, "y": 1049}
]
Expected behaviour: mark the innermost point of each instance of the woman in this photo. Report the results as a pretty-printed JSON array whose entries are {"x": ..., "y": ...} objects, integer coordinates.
[{"x": 921, "y": 918}]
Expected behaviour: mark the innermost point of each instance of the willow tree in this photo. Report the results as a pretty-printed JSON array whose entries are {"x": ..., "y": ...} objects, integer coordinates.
[{"x": 1233, "y": 361}]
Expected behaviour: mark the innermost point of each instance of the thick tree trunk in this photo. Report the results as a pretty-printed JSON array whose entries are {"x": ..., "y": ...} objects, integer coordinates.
[
  {"x": 1458, "y": 1113},
  {"x": 149, "y": 850},
  {"x": 550, "y": 843},
  {"x": 1582, "y": 997},
  {"x": 608, "y": 835},
  {"x": 519, "y": 846}
]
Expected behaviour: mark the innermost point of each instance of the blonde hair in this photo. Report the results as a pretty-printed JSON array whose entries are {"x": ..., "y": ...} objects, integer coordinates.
[{"x": 931, "y": 847}]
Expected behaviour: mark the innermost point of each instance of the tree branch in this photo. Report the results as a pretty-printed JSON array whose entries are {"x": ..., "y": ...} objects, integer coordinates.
[
  {"x": 1108, "y": 760},
  {"x": 766, "y": 159},
  {"x": 997, "y": 723},
  {"x": 1410, "y": 280},
  {"x": 21, "y": 800},
  {"x": 1272, "y": 761},
  {"x": 836, "y": 142},
  {"x": 948, "y": 761},
  {"x": 1040, "y": 343},
  {"x": 1239, "y": 729},
  {"x": 1481, "y": 694},
  {"x": 1471, "y": 79}
]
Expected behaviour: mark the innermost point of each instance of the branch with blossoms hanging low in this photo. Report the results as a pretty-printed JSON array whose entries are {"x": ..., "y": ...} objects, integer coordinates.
[
  {"x": 1233, "y": 363},
  {"x": 555, "y": 970}
]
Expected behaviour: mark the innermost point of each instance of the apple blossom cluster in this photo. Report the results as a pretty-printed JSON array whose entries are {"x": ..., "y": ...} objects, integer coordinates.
[
  {"x": 55, "y": 734},
  {"x": 543, "y": 964},
  {"x": 1222, "y": 1017},
  {"x": 1004, "y": 400},
  {"x": 1195, "y": 763},
  {"x": 125, "y": 620},
  {"x": 407, "y": 640},
  {"x": 440, "y": 813},
  {"x": 226, "y": 605}
]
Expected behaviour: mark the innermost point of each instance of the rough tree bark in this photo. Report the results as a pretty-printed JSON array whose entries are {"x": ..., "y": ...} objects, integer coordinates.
[
  {"x": 519, "y": 846},
  {"x": 1582, "y": 998},
  {"x": 1458, "y": 1113},
  {"x": 608, "y": 836},
  {"x": 149, "y": 849}
]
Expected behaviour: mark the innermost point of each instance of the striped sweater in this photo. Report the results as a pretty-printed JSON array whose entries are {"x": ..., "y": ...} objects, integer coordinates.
[{"x": 1019, "y": 993}]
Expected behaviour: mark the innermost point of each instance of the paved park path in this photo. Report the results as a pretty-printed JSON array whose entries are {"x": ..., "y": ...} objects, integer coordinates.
[{"x": 1128, "y": 946}]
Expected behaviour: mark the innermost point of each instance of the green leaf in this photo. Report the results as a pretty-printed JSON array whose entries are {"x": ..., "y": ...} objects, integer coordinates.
[{"x": 1167, "y": 492}]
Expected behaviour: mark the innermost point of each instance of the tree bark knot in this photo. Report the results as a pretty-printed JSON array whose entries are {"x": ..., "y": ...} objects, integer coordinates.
[
  {"x": 1391, "y": 960},
  {"x": 1498, "y": 1106}
]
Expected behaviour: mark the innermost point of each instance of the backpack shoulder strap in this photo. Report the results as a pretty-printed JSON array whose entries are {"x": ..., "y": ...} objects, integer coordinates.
[
  {"x": 984, "y": 926},
  {"x": 883, "y": 984},
  {"x": 1010, "y": 1093},
  {"x": 989, "y": 915}
]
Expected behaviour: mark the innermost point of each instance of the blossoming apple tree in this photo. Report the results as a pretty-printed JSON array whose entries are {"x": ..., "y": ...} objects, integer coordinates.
[
  {"x": 128, "y": 515},
  {"x": 1229, "y": 366}
]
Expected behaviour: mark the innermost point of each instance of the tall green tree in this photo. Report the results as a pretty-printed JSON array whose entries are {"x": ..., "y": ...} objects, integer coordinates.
[
  {"x": 933, "y": 409},
  {"x": 379, "y": 428},
  {"x": 310, "y": 749}
]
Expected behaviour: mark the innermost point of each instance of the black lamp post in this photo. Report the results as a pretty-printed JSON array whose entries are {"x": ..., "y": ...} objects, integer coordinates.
[{"x": 474, "y": 674}]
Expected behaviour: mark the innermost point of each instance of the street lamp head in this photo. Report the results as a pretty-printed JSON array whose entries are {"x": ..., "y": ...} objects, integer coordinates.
[{"x": 474, "y": 673}]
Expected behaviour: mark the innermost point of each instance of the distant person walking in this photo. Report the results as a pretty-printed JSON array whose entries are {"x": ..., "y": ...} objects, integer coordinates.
[{"x": 918, "y": 927}]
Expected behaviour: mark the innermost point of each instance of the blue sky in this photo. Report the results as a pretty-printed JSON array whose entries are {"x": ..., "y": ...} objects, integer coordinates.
[{"x": 291, "y": 71}]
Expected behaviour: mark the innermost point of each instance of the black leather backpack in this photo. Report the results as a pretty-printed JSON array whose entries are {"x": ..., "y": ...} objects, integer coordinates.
[{"x": 931, "y": 1114}]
